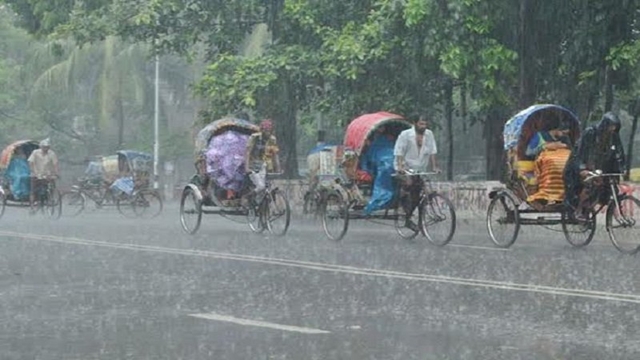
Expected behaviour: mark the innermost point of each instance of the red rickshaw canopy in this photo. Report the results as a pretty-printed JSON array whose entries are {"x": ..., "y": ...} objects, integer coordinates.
[{"x": 362, "y": 127}]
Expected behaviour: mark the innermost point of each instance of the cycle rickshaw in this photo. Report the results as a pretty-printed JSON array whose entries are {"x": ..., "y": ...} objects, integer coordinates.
[
  {"x": 512, "y": 207},
  {"x": 122, "y": 180},
  {"x": 221, "y": 187},
  {"x": 15, "y": 183},
  {"x": 342, "y": 190}
]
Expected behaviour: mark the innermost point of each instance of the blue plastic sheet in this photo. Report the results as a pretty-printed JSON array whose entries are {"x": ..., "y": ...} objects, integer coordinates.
[
  {"x": 378, "y": 161},
  {"x": 18, "y": 175}
]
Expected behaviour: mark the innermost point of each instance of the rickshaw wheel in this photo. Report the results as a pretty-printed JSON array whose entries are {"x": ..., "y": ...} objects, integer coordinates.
[
  {"x": 579, "y": 233},
  {"x": 399, "y": 217},
  {"x": 438, "y": 219},
  {"x": 503, "y": 220},
  {"x": 623, "y": 229},
  {"x": 278, "y": 212},
  {"x": 190, "y": 211},
  {"x": 124, "y": 204},
  {"x": 147, "y": 204},
  {"x": 310, "y": 203},
  {"x": 335, "y": 216},
  {"x": 75, "y": 201}
]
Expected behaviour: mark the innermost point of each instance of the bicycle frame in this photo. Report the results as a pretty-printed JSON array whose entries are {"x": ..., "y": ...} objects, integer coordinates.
[{"x": 593, "y": 195}]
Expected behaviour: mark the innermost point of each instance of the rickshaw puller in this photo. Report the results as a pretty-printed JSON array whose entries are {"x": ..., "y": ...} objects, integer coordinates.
[
  {"x": 261, "y": 156},
  {"x": 44, "y": 168},
  {"x": 414, "y": 149},
  {"x": 599, "y": 148}
]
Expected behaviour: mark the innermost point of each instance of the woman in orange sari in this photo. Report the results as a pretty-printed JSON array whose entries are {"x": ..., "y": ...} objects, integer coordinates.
[{"x": 552, "y": 150}]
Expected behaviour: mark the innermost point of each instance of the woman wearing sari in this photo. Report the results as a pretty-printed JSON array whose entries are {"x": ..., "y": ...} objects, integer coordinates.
[{"x": 551, "y": 149}]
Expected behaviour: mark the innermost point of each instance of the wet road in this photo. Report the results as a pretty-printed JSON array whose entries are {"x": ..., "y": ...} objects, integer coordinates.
[{"x": 105, "y": 287}]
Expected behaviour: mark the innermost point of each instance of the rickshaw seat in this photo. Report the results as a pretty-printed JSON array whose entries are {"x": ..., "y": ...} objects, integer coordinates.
[{"x": 526, "y": 172}]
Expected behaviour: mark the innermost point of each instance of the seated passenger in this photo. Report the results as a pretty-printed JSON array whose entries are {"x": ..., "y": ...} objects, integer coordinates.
[
  {"x": 18, "y": 175},
  {"x": 551, "y": 150},
  {"x": 378, "y": 160}
]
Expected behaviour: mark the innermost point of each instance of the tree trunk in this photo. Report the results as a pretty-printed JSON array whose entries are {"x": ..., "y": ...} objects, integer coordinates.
[
  {"x": 448, "y": 111},
  {"x": 494, "y": 151},
  {"x": 288, "y": 131},
  {"x": 608, "y": 89},
  {"x": 632, "y": 138},
  {"x": 526, "y": 45},
  {"x": 463, "y": 106}
]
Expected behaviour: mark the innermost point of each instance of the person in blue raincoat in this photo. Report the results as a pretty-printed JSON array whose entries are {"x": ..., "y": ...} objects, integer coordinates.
[
  {"x": 378, "y": 160},
  {"x": 18, "y": 175}
]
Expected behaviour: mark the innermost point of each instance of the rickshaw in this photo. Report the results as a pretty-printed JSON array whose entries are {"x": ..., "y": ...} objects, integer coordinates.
[
  {"x": 512, "y": 207},
  {"x": 344, "y": 191},
  {"x": 221, "y": 187},
  {"x": 15, "y": 183},
  {"x": 122, "y": 180}
]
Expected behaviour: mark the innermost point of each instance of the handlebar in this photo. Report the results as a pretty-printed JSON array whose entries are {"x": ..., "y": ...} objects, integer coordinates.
[
  {"x": 599, "y": 174},
  {"x": 48, "y": 177},
  {"x": 411, "y": 173}
]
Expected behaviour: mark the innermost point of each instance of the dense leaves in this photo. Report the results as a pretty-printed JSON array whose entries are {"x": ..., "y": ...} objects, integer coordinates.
[{"x": 465, "y": 62}]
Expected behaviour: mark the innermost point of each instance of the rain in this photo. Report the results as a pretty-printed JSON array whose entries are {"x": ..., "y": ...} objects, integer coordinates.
[{"x": 315, "y": 179}]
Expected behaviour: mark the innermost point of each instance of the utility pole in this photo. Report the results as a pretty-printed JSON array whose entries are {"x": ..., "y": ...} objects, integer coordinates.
[{"x": 156, "y": 127}]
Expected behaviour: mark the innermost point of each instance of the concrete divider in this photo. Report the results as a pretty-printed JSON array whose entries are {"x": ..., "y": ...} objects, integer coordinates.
[{"x": 471, "y": 198}]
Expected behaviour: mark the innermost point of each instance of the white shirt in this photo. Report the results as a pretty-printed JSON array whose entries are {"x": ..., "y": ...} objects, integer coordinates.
[
  {"x": 43, "y": 164},
  {"x": 407, "y": 147}
]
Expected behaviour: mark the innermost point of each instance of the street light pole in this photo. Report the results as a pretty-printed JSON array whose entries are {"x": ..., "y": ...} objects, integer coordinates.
[{"x": 156, "y": 115}]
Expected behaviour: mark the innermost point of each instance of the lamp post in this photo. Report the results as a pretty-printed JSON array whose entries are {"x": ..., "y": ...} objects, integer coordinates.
[{"x": 156, "y": 115}]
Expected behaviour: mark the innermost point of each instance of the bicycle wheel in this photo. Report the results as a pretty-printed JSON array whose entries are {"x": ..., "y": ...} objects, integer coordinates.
[
  {"x": 335, "y": 216},
  {"x": 74, "y": 201},
  {"x": 255, "y": 217},
  {"x": 190, "y": 211},
  {"x": 147, "y": 204},
  {"x": 278, "y": 213},
  {"x": 623, "y": 224},
  {"x": 400, "y": 222},
  {"x": 54, "y": 204},
  {"x": 3, "y": 204},
  {"x": 503, "y": 220},
  {"x": 438, "y": 219},
  {"x": 579, "y": 233}
]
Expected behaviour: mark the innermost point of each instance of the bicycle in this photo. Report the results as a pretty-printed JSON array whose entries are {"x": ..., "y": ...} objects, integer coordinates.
[
  {"x": 47, "y": 196},
  {"x": 76, "y": 198},
  {"x": 264, "y": 209},
  {"x": 602, "y": 191},
  {"x": 434, "y": 209}
]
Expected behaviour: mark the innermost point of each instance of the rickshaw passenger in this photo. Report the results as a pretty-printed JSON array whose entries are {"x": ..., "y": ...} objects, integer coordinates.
[
  {"x": 43, "y": 163},
  {"x": 18, "y": 174},
  {"x": 551, "y": 150},
  {"x": 225, "y": 162},
  {"x": 261, "y": 155},
  {"x": 413, "y": 150},
  {"x": 377, "y": 160},
  {"x": 599, "y": 148},
  {"x": 556, "y": 138},
  {"x": 124, "y": 183}
]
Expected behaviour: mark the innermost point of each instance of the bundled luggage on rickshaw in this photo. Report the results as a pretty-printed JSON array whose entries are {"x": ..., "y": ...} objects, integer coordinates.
[
  {"x": 357, "y": 180},
  {"x": 122, "y": 180},
  {"x": 220, "y": 185},
  {"x": 541, "y": 143},
  {"x": 17, "y": 181}
]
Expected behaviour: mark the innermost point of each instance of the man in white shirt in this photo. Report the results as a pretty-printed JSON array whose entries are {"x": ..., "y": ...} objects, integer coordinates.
[
  {"x": 43, "y": 163},
  {"x": 414, "y": 150}
]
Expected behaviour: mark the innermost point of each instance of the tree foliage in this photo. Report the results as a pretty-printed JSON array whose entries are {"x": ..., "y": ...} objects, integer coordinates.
[{"x": 462, "y": 61}]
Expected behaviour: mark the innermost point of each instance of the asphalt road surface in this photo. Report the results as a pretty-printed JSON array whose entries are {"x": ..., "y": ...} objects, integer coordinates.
[{"x": 101, "y": 286}]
